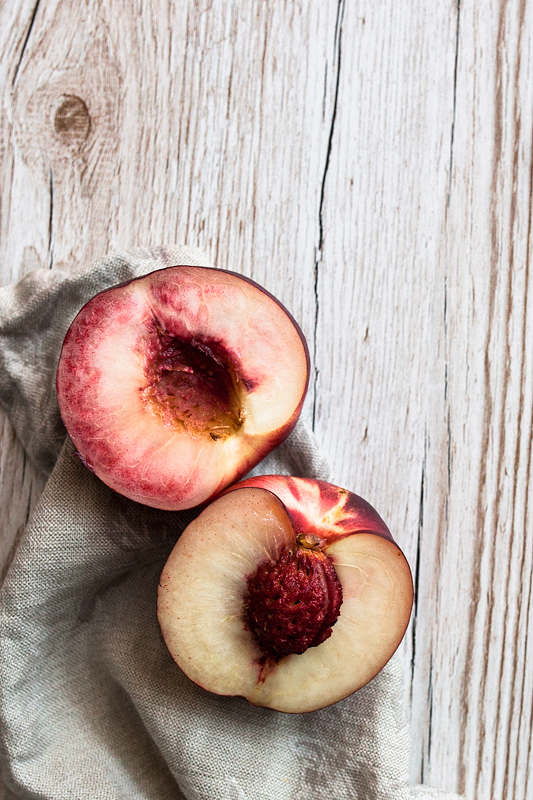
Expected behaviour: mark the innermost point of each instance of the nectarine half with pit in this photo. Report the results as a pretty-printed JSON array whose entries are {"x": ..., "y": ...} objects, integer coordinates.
[
  {"x": 287, "y": 591},
  {"x": 176, "y": 384}
]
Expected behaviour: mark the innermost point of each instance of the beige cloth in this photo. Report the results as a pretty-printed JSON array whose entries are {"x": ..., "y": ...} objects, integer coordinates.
[{"x": 91, "y": 704}]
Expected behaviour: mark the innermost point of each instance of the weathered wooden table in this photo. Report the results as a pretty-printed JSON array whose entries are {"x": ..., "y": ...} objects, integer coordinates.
[{"x": 371, "y": 163}]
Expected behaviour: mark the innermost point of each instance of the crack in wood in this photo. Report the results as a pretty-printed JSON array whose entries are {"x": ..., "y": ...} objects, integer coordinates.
[
  {"x": 427, "y": 763},
  {"x": 318, "y": 255},
  {"x": 447, "y": 404},
  {"x": 26, "y": 40},
  {"x": 51, "y": 222},
  {"x": 416, "y": 581},
  {"x": 455, "y": 73}
]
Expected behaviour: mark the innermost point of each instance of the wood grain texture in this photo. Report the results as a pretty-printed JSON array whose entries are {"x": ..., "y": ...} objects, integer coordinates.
[{"x": 371, "y": 164}]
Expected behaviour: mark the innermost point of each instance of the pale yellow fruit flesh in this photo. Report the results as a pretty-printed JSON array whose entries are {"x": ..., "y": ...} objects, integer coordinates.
[{"x": 200, "y": 603}]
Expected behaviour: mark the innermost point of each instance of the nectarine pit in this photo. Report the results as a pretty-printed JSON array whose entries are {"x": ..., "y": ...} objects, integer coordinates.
[
  {"x": 292, "y": 602},
  {"x": 191, "y": 385}
]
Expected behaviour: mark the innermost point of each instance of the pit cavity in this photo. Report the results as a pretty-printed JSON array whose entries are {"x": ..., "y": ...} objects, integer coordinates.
[
  {"x": 192, "y": 387},
  {"x": 292, "y": 602}
]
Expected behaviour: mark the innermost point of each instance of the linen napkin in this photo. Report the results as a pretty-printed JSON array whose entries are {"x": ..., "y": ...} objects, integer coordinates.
[{"x": 91, "y": 703}]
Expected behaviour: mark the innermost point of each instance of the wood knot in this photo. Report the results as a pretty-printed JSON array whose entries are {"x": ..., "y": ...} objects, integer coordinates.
[{"x": 72, "y": 121}]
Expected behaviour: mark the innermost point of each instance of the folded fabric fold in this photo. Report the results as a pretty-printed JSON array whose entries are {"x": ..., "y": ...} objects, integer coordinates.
[{"x": 91, "y": 703}]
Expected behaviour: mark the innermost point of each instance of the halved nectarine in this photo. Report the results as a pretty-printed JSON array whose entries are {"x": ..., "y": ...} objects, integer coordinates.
[
  {"x": 174, "y": 385},
  {"x": 288, "y": 591}
]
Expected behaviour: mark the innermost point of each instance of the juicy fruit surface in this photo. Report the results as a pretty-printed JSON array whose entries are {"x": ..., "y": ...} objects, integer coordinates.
[
  {"x": 200, "y": 600},
  {"x": 191, "y": 388},
  {"x": 319, "y": 508},
  {"x": 291, "y": 602},
  {"x": 204, "y": 585},
  {"x": 175, "y": 384}
]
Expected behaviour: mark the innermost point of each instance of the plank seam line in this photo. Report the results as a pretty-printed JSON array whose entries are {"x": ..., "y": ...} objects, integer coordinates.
[
  {"x": 318, "y": 257},
  {"x": 51, "y": 223},
  {"x": 455, "y": 71},
  {"x": 416, "y": 570},
  {"x": 26, "y": 40}
]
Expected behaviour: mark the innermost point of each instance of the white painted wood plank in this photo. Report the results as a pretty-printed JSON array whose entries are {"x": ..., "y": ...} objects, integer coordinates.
[
  {"x": 209, "y": 123},
  {"x": 433, "y": 343},
  {"x": 20, "y": 484},
  {"x": 379, "y": 329},
  {"x": 484, "y": 684}
]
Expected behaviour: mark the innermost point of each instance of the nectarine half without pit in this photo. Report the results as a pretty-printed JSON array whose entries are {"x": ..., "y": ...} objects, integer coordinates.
[
  {"x": 176, "y": 384},
  {"x": 289, "y": 592}
]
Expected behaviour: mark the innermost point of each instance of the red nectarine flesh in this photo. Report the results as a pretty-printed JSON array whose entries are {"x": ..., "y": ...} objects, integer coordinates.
[{"x": 174, "y": 385}]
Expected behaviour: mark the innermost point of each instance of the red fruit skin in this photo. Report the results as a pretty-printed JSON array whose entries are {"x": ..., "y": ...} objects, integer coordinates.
[{"x": 320, "y": 508}]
